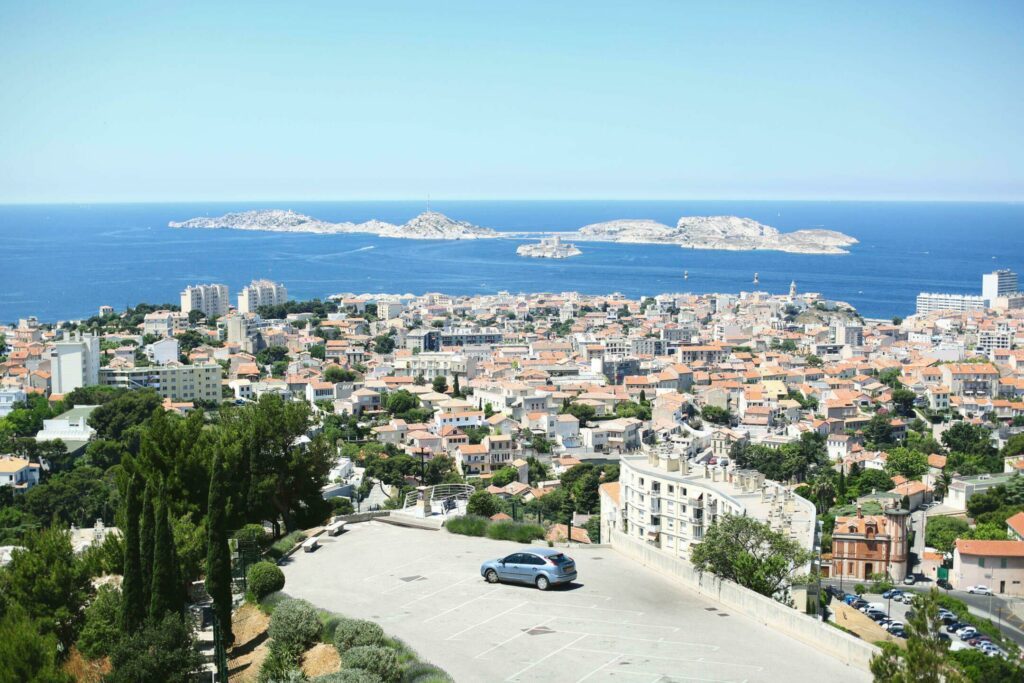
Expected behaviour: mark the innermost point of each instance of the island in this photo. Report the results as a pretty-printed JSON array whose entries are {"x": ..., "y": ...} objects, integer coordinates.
[
  {"x": 549, "y": 247},
  {"x": 429, "y": 225},
  {"x": 718, "y": 232},
  {"x": 729, "y": 233}
]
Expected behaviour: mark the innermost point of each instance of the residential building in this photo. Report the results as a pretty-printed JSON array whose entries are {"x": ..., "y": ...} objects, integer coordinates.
[
  {"x": 8, "y": 398},
  {"x": 433, "y": 364},
  {"x": 71, "y": 427},
  {"x": 174, "y": 381},
  {"x": 261, "y": 293},
  {"x": 18, "y": 473},
  {"x": 961, "y": 489},
  {"x": 929, "y": 302},
  {"x": 75, "y": 363},
  {"x": 211, "y": 300},
  {"x": 864, "y": 545},
  {"x": 998, "y": 283},
  {"x": 996, "y": 564},
  {"x": 165, "y": 323},
  {"x": 163, "y": 351}
]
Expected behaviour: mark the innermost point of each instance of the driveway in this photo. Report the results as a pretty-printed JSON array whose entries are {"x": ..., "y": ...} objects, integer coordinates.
[{"x": 620, "y": 622}]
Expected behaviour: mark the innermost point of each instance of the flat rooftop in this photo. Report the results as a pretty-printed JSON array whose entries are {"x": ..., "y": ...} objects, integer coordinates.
[{"x": 619, "y": 622}]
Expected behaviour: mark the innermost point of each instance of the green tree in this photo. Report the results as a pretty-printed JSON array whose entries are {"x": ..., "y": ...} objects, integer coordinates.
[
  {"x": 716, "y": 415},
  {"x": 383, "y": 344},
  {"x": 147, "y": 534},
  {"x": 750, "y": 553},
  {"x": 482, "y": 503},
  {"x": 318, "y": 351},
  {"x": 439, "y": 384},
  {"x": 878, "y": 431},
  {"x": 218, "y": 555},
  {"x": 47, "y": 582},
  {"x": 134, "y": 602},
  {"x": 903, "y": 400},
  {"x": 581, "y": 411},
  {"x": 124, "y": 411},
  {"x": 401, "y": 401},
  {"x": 165, "y": 593},
  {"x": 103, "y": 627},
  {"x": 941, "y": 532},
  {"x": 924, "y": 660},
  {"x": 505, "y": 476},
  {"x": 456, "y": 388},
  {"x": 335, "y": 374},
  {"x": 593, "y": 527},
  {"x": 162, "y": 650},
  {"x": 26, "y": 653},
  {"x": 538, "y": 471},
  {"x": 906, "y": 462},
  {"x": 964, "y": 437}
]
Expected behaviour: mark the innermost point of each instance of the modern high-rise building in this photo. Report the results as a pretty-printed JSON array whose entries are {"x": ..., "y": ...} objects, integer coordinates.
[
  {"x": 929, "y": 302},
  {"x": 261, "y": 293},
  {"x": 175, "y": 381},
  {"x": 998, "y": 283},
  {"x": 212, "y": 300},
  {"x": 75, "y": 363}
]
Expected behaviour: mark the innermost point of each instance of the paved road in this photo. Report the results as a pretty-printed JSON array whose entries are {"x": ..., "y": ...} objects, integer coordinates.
[{"x": 620, "y": 622}]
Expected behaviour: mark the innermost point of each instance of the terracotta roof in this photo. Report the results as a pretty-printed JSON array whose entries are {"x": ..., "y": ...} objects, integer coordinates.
[
  {"x": 990, "y": 548},
  {"x": 1017, "y": 523},
  {"x": 611, "y": 489}
]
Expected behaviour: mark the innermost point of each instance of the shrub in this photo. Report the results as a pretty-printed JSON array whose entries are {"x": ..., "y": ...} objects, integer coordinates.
[
  {"x": 351, "y": 633},
  {"x": 279, "y": 666},
  {"x": 513, "y": 531},
  {"x": 375, "y": 659},
  {"x": 294, "y": 626},
  {"x": 252, "y": 534},
  {"x": 264, "y": 578},
  {"x": 422, "y": 672},
  {"x": 101, "y": 632},
  {"x": 348, "y": 676},
  {"x": 283, "y": 545},
  {"x": 468, "y": 525}
]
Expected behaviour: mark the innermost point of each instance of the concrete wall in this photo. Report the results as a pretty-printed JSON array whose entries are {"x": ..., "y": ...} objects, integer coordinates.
[
  {"x": 794, "y": 623},
  {"x": 361, "y": 516}
]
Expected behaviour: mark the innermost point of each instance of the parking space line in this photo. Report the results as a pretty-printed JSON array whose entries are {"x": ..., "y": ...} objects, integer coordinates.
[
  {"x": 608, "y": 663},
  {"x": 510, "y": 639},
  {"x": 442, "y": 590},
  {"x": 547, "y": 656},
  {"x": 601, "y": 609},
  {"x": 391, "y": 570},
  {"x": 698, "y": 660},
  {"x": 463, "y": 604},
  {"x": 714, "y": 648},
  {"x": 674, "y": 629},
  {"x": 470, "y": 628}
]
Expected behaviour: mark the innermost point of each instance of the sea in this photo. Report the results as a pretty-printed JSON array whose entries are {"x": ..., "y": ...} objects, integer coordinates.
[{"x": 63, "y": 261}]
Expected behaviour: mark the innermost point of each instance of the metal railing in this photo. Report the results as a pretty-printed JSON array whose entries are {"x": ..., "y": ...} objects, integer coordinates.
[{"x": 439, "y": 493}]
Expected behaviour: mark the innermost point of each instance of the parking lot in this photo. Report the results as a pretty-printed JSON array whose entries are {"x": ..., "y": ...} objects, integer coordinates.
[{"x": 619, "y": 622}]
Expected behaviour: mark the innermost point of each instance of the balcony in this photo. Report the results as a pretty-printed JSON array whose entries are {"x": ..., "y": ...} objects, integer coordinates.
[{"x": 696, "y": 503}]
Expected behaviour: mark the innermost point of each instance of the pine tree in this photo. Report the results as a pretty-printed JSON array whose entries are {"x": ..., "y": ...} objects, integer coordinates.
[
  {"x": 218, "y": 555},
  {"x": 165, "y": 594},
  {"x": 133, "y": 604},
  {"x": 146, "y": 536}
]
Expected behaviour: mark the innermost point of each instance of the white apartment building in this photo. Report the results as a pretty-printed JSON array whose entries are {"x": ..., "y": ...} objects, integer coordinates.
[
  {"x": 261, "y": 293},
  {"x": 174, "y": 381},
  {"x": 669, "y": 503},
  {"x": 8, "y": 397},
  {"x": 163, "y": 352},
  {"x": 18, "y": 473},
  {"x": 165, "y": 323},
  {"x": 433, "y": 364},
  {"x": 212, "y": 300},
  {"x": 930, "y": 302},
  {"x": 998, "y": 283},
  {"x": 75, "y": 363}
]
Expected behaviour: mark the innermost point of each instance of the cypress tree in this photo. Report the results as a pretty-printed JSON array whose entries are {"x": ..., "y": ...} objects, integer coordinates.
[
  {"x": 133, "y": 610},
  {"x": 165, "y": 593},
  {"x": 146, "y": 531},
  {"x": 456, "y": 389},
  {"x": 218, "y": 555}
]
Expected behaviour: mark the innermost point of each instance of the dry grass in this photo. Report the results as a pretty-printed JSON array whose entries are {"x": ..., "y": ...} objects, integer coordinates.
[
  {"x": 84, "y": 670},
  {"x": 861, "y": 624},
  {"x": 321, "y": 659},
  {"x": 249, "y": 625}
]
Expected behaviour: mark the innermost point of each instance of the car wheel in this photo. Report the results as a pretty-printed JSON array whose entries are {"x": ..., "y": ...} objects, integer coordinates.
[
  {"x": 543, "y": 583},
  {"x": 491, "y": 576}
]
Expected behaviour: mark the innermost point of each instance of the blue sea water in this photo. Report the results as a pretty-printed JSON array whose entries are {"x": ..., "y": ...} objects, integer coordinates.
[{"x": 63, "y": 261}]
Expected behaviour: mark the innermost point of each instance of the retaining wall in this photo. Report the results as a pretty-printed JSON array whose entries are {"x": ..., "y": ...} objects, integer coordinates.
[{"x": 794, "y": 623}]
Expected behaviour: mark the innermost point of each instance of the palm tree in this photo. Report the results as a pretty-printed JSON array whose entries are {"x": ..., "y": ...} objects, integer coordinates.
[
  {"x": 942, "y": 483},
  {"x": 823, "y": 489}
]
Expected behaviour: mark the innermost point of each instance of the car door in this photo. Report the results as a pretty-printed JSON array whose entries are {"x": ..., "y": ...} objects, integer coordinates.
[
  {"x": 532, "y": 567},
  {"x": 510, "y": 569}
]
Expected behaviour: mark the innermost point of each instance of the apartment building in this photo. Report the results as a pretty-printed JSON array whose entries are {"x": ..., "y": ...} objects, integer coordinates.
[
  {"x": 433, "y": 364},
  {"x": 998, "y": 283},
  {"x": 494, "y": 452},
  {"x": 669, "y": 503},
  {"x": 261, "y": 293},
  {"x": 8, "y": 398},
  {"x": 211, "y": 300},
  {"x": 174, "y": 381},
  {"x": 75, "y": 363},
  {"x": 970, "y": 379},
  {"x": 930, "y": 302},
  {"x": 165, "y": 323}
]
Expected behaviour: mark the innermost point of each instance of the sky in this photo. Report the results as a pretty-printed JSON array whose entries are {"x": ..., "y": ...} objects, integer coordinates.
[{"x": 157, "y": 101}]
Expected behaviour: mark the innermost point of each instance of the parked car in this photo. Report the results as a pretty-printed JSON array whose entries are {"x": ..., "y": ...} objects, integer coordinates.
[
  {"x": 979, "y": 640},
  {"x": 909, "y": 580},
  {"x": 894, "y": 626},
  {"x": 898, "y": 632},
  {"x": 966, "y": 634},
  {"x": 875, "y": 614},
  {"x": 540, "y": 567},
  {"x": 907, "y": 599},
  {"x": 955, "y": 626},
  {"x": 859, "y": 603},
  {"x": 979, "y": 590}
]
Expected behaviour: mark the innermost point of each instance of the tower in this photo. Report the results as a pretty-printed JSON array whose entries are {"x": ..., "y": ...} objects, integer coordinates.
[{"x": 792, "y": 289}]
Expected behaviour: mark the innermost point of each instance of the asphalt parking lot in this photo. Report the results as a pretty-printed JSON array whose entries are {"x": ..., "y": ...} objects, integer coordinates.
[{"x": 619, "y": 622}]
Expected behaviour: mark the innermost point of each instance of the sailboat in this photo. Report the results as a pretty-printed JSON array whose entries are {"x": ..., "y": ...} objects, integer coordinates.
[
  {"x": 686, "y": 275},
  {"x": 756, "y": 280}
]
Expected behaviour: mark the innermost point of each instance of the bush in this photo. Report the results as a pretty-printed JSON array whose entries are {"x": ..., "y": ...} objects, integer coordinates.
[
  {"x": 294, "y": 626},
  {"x": 252, "y": 535},
  {"x": 348, "y": 676},
  {"x": 375, "y": 659},
  {"x": 280, "y": 665},
  {"x": 483, "y": 504},
  {"x": 264, "y": 578},
  {"x": 283, "y": 545},
  {"x": 513, "y": 531},
  {"x": 350, "y": 633},
  {"x": 468, "y": 525},
  {"x": 342, "y": 505},
  {"x": 101, "y": 632},
  {"x": 422, "y": 672}
]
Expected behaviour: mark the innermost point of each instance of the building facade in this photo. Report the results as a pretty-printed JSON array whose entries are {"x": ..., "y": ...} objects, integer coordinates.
[
  {"x": 176, "y": 382},
  {"x": 865, "y": 545},
  {"x": 211, "y": 300},
  {"x": 75, "y": 363},
  {"x": 996, "y": 564},
  {"x": 261, "y": 293},
  {"x": 998, "y": 283},
  {"x": 930, "y": 302}
]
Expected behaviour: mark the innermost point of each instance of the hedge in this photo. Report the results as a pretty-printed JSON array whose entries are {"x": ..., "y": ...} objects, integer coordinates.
[
  {"x": 504, "y": 530},
  {"x": 285, "y": 544},
  {"x": 376, "y": 659},
  {"x": 350, "y": 633}
]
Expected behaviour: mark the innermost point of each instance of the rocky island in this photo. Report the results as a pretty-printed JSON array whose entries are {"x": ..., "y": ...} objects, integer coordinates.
[
  {"x": 549, "y": 247},
  {"x": 718, "y": 232},
  {"x": 429, "y": 225}
]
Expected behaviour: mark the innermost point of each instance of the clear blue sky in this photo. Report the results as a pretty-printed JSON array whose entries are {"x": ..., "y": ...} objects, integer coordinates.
[{"x": 136, "y": 101}]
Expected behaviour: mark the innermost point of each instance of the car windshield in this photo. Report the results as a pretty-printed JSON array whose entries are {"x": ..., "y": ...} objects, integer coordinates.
[{"x": 557, "y": 559}]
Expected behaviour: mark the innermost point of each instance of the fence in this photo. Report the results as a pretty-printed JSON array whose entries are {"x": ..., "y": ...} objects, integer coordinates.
[{"x": 794, "y": 623}]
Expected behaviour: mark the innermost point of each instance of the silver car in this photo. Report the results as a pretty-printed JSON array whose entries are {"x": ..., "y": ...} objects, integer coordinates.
[{"x": 540, "y": 567}]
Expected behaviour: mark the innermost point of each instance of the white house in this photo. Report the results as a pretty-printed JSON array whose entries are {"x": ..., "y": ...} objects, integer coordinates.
[{"x": 18, "y": 472}]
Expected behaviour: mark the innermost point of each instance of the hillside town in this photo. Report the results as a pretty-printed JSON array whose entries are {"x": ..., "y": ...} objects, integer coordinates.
[{"x": 881, "y": 451}]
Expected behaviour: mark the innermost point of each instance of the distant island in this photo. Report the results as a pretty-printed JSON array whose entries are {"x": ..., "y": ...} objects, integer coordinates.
[
  {"x": 429, "y": 225},
  {"x": 549, "y": 247},
  {"x": 693, "y": 232},
  {"x": 718, "y": 232}
]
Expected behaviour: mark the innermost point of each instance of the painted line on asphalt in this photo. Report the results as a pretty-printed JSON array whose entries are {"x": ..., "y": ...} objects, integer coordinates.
[{"x": 545, "y": 657}]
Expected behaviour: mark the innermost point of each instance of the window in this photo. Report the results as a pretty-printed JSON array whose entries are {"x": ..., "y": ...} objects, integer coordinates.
[
  {"x": 671, "y": 488},
  {"x": 981, "y": 561},
  {"x": 1002, "y": 563}
]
